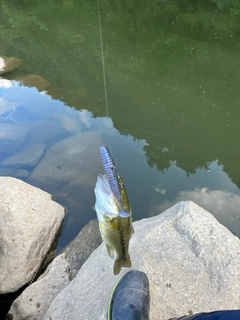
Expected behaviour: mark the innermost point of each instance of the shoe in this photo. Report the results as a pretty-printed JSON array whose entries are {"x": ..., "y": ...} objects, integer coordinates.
[{"x": 130, "y": 299}]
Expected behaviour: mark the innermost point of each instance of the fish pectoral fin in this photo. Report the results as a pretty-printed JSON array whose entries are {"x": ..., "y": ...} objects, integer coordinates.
[
  {"x": 132, "y": 230},
  {"x": 101, "y": 230},
  {"x": 110, "y": 251}
]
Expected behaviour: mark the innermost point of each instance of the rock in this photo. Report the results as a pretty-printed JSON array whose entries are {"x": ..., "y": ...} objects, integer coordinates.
[
  {"x": 7, "y": 172},
  {"x": 12, "y": 137},
  {"x": 82, "y": 246},
  {"x": 21, "y": 174},
  {"x": 192, "y": 263},
  {"x": 78, "y": 153},
  {"x": 43, "y": 131},
  {"x": 29, "y": 221},
  {"x": 35, "y": 300},
  {"x": 34, "y": 80},
  {"x": 14, "y": 172},
  {"x": 27, "y": 156},
  {"x": 8, "y": 64}
]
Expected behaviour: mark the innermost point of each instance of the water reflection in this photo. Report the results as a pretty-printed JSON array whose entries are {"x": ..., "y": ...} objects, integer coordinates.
[
  {"x": 221, "y": 197},
  {"x": 172, "y": 71}
]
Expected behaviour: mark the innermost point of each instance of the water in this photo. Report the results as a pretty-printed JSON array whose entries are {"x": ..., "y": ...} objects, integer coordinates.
[{"x": 172, "y": 73}]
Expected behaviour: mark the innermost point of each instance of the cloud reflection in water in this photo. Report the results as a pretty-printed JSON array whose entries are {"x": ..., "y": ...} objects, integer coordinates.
[{"x": 225, "y": 206}]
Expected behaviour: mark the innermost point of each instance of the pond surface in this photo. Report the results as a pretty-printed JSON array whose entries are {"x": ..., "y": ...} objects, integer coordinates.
[{"x": 173, "y": 116}]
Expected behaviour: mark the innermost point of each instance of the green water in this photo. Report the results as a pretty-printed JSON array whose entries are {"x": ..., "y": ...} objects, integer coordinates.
[{"x": 172, "y": 75}]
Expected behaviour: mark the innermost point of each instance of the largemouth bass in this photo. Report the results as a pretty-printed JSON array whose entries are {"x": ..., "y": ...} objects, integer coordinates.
[{"x": 113, "y": 212}]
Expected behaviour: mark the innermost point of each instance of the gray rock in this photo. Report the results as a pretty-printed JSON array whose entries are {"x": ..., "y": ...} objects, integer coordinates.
[
  {"x": 57, "y": 170},
  {"x": 8, "y": 172},
  {"x": 12, "y": 137},
  {"x": 21, "y": 174},
  {"x": 27, "y": 156},
  {"x": 8, "y": 64},
  {"x": 42, "y": 131},
  {"x": 29, "y": 221},
  {"x": 35, "y": 300},
  {"x": 192, "y": 262},
  {"x": 14, "y": 172},
  {"x": 82, "y": 246}
]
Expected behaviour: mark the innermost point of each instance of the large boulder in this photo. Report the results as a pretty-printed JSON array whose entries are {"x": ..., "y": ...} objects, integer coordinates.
[
  {"x": 8, "y": 64},
  {"x": 29, "y": 221},
  {"x": 35, "y": 300},
  {"x": 192, "y": 262}
]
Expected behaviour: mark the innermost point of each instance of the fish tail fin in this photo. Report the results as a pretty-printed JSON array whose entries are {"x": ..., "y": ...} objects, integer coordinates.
[
  {"x": 127, "y": 262},
  {"x": 121, "y": 263},
  {"x": 117, "y": 267}
]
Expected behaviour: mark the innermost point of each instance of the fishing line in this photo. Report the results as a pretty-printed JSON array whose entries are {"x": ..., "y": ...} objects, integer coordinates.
[{"x": 103, "y": 67}]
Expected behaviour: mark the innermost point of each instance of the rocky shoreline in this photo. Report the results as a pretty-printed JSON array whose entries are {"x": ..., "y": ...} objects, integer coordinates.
[{"x": 191, "y": 260}]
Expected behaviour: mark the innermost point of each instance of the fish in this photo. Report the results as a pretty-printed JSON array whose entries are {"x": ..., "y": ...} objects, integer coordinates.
[{"x": 111, "y": 202}]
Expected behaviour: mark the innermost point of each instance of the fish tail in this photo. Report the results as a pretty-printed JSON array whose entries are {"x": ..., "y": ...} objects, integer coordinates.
[
  {"x": 117, "y": 267},
  {"x": 121, "y": 263}
]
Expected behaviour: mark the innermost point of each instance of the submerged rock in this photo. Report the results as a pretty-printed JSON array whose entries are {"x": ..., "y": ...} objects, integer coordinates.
[
  {"x": 78, "y": 153},
  {"x": 12, "y": 137},
  {"x": 8, "y": 64},
  {"x": 192, "y": 263},
  {"x": 27, "y": 156},
  {"x": 34, "y": 80},
  {"x": 35, "y": 300},
  {"x": 29, "y": 221}
]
